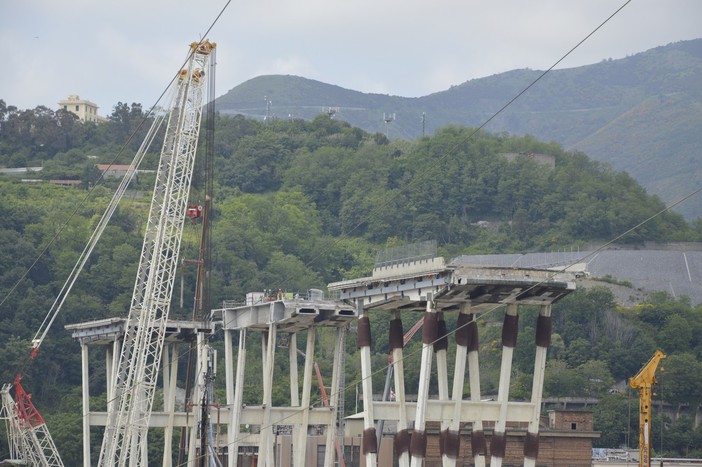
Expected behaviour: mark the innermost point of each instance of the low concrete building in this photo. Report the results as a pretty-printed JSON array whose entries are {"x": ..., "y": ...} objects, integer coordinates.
[{"x": 113, "y": 170}]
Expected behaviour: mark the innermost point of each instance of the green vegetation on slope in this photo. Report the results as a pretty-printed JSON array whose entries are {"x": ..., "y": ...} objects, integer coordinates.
[
  {"x": 640, "y": 113},
  {"x": 300, "y": 204}
]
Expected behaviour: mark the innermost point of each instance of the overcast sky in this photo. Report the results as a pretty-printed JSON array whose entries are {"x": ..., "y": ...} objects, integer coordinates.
[{"x": 109, "y": 51}]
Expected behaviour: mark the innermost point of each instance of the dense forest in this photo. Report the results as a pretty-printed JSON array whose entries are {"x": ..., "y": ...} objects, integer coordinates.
[{"x": 299, "y": 204}]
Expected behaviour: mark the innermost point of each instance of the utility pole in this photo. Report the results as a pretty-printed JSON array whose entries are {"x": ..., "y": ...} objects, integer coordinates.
[
  {"x": 268, "y": 108},
  {"x": 387, "y": 119}
]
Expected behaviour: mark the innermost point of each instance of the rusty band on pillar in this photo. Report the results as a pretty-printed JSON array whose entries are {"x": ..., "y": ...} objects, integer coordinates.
[
  {"x": 498, "y": 444},
  {"x": 467, "y": 332},
  {"x": 418, "y": 443},
  {"x": 363, "y": 338},
  {"x": 510, "y": 329},
  {"x": 441, "y": 342},
  {"x": 370, "y": 441},
  {"x": 396, "y": 334},
  {"x": 401, "y": 443},
  {"x": 543, "y": 331},
  {"x": 478, "y": 444},
  {"x": 450, "y": 443},
  {"x": 531, "y": 445},
  {"x": 430, "y": 328}
]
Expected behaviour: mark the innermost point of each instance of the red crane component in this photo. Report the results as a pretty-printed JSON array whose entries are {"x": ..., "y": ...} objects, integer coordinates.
[
  {"x": 194, "y": 212},
  {"x": 29, "y": 439},
  {"x": 325, "y": 399},
  {"x": 29, "y": 416}
]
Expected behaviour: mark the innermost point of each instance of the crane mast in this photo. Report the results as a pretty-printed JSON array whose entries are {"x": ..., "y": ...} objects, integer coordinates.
[
  {"x": 124, "y": 442},
  {"x": 644, "y": 381}
]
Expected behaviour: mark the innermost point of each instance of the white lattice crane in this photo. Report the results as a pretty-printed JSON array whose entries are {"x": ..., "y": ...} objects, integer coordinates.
[
  {"x": 29, "y": 438},
  {"x": 124, "y": 441}
]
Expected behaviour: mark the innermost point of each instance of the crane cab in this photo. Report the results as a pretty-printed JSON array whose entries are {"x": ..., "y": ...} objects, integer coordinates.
[{"x": 194, "y": 212}]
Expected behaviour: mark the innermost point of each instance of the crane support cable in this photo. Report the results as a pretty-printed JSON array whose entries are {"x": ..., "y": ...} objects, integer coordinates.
[{"x": 95, "y": 237}]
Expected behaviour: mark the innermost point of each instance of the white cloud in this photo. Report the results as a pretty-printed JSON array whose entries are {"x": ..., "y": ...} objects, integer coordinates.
[{"x": 127, "y": 50}]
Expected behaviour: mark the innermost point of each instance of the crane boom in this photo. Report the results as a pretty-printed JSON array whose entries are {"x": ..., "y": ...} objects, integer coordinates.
[
  {"x": 124, "y": 441},
  {"x": 643, "y": 381}
]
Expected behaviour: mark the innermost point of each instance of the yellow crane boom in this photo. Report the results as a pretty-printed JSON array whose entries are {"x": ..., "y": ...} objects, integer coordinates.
[{"x": 643, "y": 381}]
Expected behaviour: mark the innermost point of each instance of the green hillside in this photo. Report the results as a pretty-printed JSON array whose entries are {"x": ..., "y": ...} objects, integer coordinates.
[
  {"x": 299, "y": 204},
  {"x": 639, "y": 114}
]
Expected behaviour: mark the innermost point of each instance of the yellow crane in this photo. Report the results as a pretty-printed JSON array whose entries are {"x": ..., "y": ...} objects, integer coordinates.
[{"x": 643, "y": 381}]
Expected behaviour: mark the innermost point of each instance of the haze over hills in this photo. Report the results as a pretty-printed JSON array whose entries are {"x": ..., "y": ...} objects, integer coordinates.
[{"x": 641, "y": 114}]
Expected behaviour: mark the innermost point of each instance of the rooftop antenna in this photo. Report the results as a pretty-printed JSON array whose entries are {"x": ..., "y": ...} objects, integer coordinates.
[{"x": 387, "y": 119}]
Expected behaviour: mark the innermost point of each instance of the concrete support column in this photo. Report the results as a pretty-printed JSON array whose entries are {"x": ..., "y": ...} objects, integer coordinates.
[
  {"x": 510, "y": 329},
  {"x": 86, "y": 403},
  {"x": 170, "y": 376},
  {"x": 265, "y": 448},
  {"x": 300, "y": 444},
  {"x": 332, "y": 441},
  {"x": 229, "y": 382},
  {"x": 111, "y": 362},
  {"x": 418, "y": 443},
  {"x": 440, "y": 349},
  {"x": 228, "y": 366},
  {"x": 196, "y": 399},
  {"x": 369, "y": 446},
  {"x": 543, "y": 342},
  {"x": 402, "y": 438},
  {"x": 294, "y": 382},
  {"x": 294, "y": 388},
  {"x": 477, "y": 438},
  {"x": 236, "y": 405},
  {"x": 451, "y": 438}
]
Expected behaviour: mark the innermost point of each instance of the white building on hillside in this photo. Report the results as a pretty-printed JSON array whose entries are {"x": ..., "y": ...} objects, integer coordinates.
[{"x": 84, "y": 109}]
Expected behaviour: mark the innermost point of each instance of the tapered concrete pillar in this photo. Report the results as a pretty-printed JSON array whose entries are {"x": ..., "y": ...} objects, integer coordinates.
[
  {"x": 402, "y": 437},
  {"x": 418, "y": 443},
  {"x": 333, "y": 443},
  {"x": 477, "y": 438},
  {"x": 294, "y": 388},
  {"x": 450, "y": 437},
  {"x": 200, "y": 369},
  {"x": 111, "y": 361},
  {"x": 86, "y": 403},
  {"x": 233, "y": 430},
  {"x": 510, "y": 329},
  {"x": 300, "y": 445},
  {"x": 170, "y": 377},
  {"x": 266, "y": 441},
  {"x": 543, "y": 342},
  {"x": 369, "y": 446},
  {"x": 294, "y": 382},
  {"x": 440, "y": 350}
]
